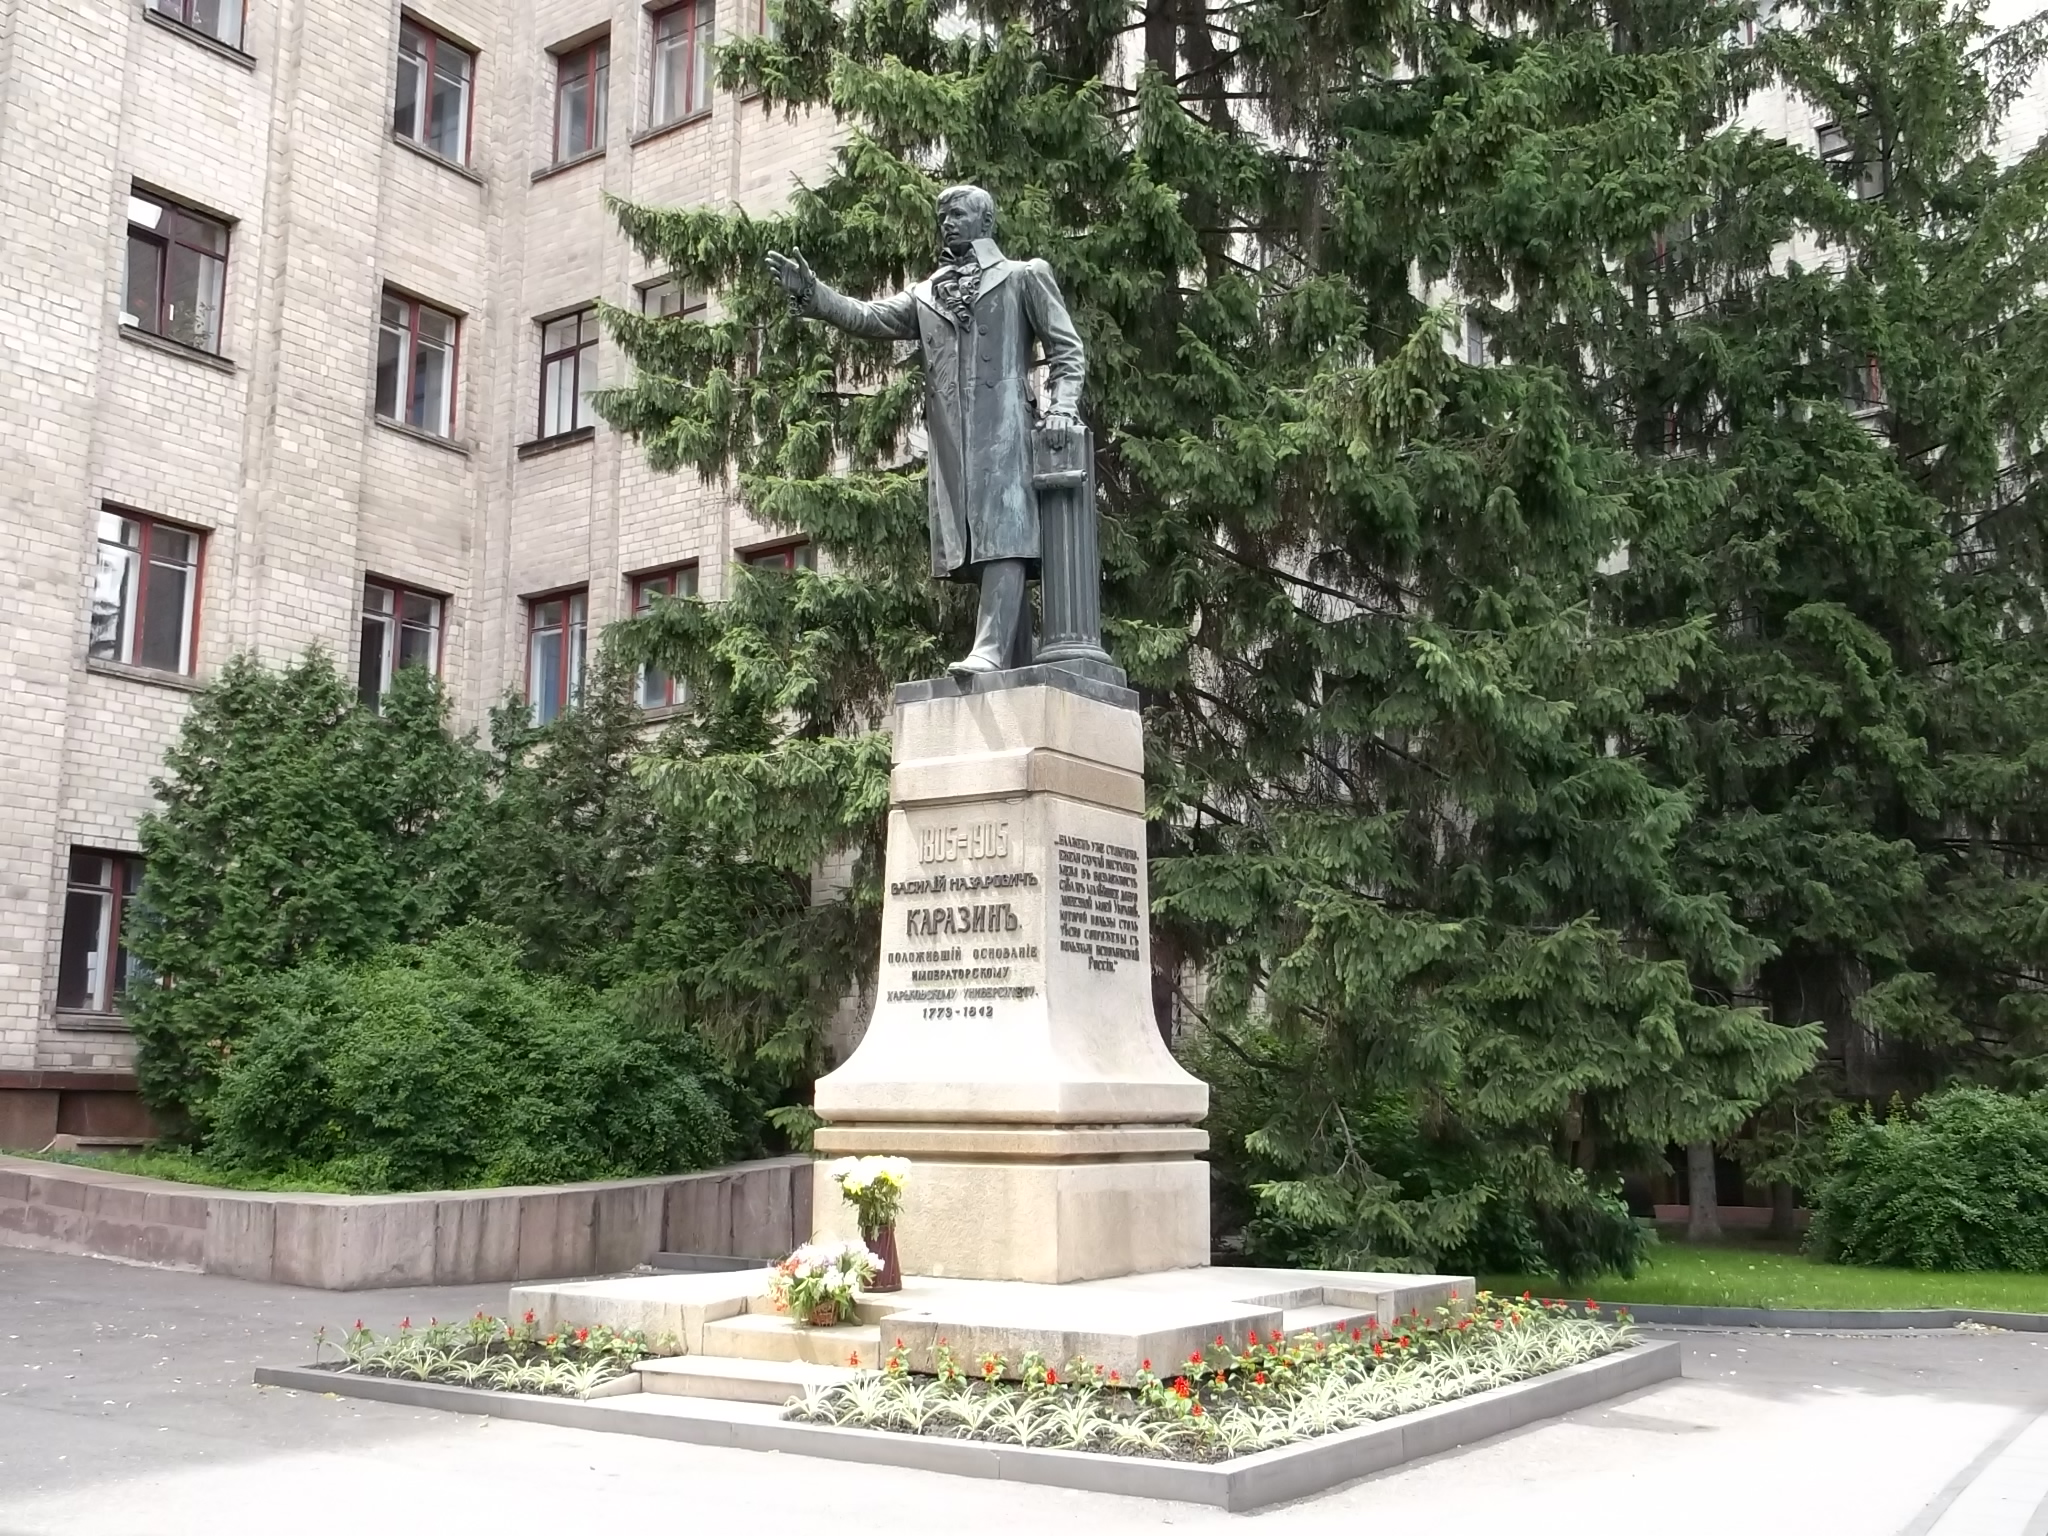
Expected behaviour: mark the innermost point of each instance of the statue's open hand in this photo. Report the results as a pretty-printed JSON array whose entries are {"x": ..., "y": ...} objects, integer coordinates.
[
  {"x": 797, "y": 279},
  {"x": 1057, "y": 425}
]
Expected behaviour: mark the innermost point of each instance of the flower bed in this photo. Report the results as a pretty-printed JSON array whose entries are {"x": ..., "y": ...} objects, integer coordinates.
[
  {"x": 502, "y": 1357},
  {"x": 1219, "y": 1403}
]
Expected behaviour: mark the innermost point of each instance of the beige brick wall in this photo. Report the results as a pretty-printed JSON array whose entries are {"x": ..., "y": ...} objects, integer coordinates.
[{"x": 280, "y": 459}]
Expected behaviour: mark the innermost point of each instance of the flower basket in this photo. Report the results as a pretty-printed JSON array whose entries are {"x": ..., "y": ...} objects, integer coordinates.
[{"x": 820, "y": 1283}]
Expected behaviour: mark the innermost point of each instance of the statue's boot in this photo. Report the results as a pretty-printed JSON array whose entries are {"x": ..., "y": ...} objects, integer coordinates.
[{"x": 1002, "y": 609}]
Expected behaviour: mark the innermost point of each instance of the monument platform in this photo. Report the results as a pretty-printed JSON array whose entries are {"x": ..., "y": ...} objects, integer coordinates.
[{"x": 1118, "y": 1324}]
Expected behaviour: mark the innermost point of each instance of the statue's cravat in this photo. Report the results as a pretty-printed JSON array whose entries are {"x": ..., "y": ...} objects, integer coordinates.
[{"x": 956, "y": 288}]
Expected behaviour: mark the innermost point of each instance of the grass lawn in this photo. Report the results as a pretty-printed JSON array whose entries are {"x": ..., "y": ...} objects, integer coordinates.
[
  {"x": 189, "y": 1168},
  {"x": 1755, "y": 1275}
]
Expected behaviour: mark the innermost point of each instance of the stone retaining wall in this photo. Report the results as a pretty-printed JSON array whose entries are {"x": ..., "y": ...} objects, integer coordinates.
[{"x": 358, "y": 1242}]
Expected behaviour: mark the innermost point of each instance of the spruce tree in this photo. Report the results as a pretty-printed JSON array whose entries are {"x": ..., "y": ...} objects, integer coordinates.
[
  {"x": 1408, "y": 864},
  {"x": 1845, "y": 341}
]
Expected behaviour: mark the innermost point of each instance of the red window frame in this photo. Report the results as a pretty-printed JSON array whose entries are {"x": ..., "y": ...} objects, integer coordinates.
[
  {"x": 181, "y": 11},
  {"x": 149, "y": 525},
  {"x": 569, "y": 675},
  {"x": 574, "y": 356},
  {"x": 645, "y": 587},
  {"x": 781, "y": 557},
  {"x": 435, "y": 42},
  {"x": 413, "y": 306},
  {"x": 594, "y": 115},
  {"x": 124, "y": 880},
  {"x": 700, "y": 21},
  {"x": 399, "y": 593},
  {"x": 158, "y": 324}
]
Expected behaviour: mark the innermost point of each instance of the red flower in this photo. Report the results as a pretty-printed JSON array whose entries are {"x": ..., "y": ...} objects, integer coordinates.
[
  {"x": 1219, "y": 1341},
  {"x": 405, "y": 1322},
  {"x": 1356, "y": 1335},
  {"x": 551, "y": 1339},
  {"x": 1258, "y": 1378},
  {"x": 1114, "y": 1377},
  {"x": 1145, "y": 1365},
  {"x": 582, "y": 1335},
  {"x": 529, "y": 1317},
  {"x": 1198, "y": 1410},
  {"x": 1195, "y": 1358},
  {"x": 359, "y": 1325},
  {"x": 1526, "y": 1296},
  {"x": 899, "y": 1343},
  {"x": 1052, "y": 1378},
  {"x": 854, "y": 1359}
]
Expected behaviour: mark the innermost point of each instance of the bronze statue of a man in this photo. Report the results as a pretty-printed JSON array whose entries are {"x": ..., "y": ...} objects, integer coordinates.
[{"x": 975, "y": 319}]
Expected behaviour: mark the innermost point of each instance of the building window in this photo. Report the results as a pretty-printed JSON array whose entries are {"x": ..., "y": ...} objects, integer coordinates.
[
  {"x": 218, "y": 19},
  {"x": 1864, "y": 177},
  {"x": 1478, "y": 342},
  {"x": 581, "y": 77},
  {"x": 177, "y": 271},
  {"x": 401, "y": 628},
  {"x": 568, "y": 373},
  {"x": 432, "y": 105},
  {"x": 93, "y": 965},
  {"x": 145, "y": 593},
  {"x": 657, "y": 689},
  {"x": 797, "y": 556},
  {"x": 759, "y": 18},
  {"x": 668, "y": 297},
  {"x": 555, "y": 628},
  {"x": 416, "y": 365},
  {"x": 682, "y": 61},
  {"x": 1865, "y": 393}
]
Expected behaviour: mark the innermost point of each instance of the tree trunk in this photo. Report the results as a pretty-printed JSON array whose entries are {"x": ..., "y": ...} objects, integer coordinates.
[
  {"x": 1705, "y": 1225},
  {"x": 1782, "y": 1223}
]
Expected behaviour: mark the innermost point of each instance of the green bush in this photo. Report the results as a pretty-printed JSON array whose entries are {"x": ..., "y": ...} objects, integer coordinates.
[
  {"x": 1958, "y": 1183},
  {"x": 448, "y": 1065}
]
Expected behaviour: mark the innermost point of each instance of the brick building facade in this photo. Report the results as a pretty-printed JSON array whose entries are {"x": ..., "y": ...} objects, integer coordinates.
[{"x": 276, "y": 286}]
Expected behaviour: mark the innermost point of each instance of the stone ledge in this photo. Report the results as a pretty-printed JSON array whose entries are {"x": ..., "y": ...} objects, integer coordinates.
[
  {"x": 1013, "y": 1143},
  {"x": 1091, "y": 680},
  {"x": 1241, "y": 1484},
  {"x": 450, "y": 1237},
  {"x": 1022, "y": 771}
]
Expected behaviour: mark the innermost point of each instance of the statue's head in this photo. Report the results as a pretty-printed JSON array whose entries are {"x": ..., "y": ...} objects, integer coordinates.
[{"x": 966, "y": 214}]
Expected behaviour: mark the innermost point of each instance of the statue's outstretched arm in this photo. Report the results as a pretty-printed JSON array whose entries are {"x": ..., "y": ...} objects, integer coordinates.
[
  {"x": 890, "y": 319},
  {"x": 1066, "y": 365}
]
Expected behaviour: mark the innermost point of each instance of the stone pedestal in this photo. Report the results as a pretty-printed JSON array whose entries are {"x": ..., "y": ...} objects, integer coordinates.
[{"x": 1012, "y": 1055}]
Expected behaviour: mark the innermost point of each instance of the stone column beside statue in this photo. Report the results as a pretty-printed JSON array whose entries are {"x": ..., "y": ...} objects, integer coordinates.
[{"x": 1012, "y": 1054}]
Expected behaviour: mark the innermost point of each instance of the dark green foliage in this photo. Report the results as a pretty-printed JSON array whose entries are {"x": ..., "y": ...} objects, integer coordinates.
[
  {"x": 1422, "y": 1198},
  {"x": 1960, "y": 1182},
  {"x": 294, "y": 826},
  {"x": 1862, "y": 427},
  {"x": 1401, "y": 823},
  {"x": 448, "y": 1065}
]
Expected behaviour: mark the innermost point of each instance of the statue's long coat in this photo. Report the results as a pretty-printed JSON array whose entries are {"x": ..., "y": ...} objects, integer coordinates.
[{"x": 977, "y": 402}]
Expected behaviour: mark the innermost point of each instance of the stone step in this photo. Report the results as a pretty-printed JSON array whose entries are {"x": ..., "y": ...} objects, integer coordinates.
[
  {"x": 1324, "y": 1317},
  {"x": 734, "y": 1380},
  {"x": 759, "y": 1336}
]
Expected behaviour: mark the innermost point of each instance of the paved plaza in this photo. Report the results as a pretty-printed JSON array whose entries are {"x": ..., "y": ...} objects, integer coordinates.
[{"x": 126, "y": 1410}]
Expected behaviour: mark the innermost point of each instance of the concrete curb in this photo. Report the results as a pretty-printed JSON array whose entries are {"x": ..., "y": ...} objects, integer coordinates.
[
  {"x": 1244, "y": 1483},
  {"x": 1815, "y": 1318}
]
